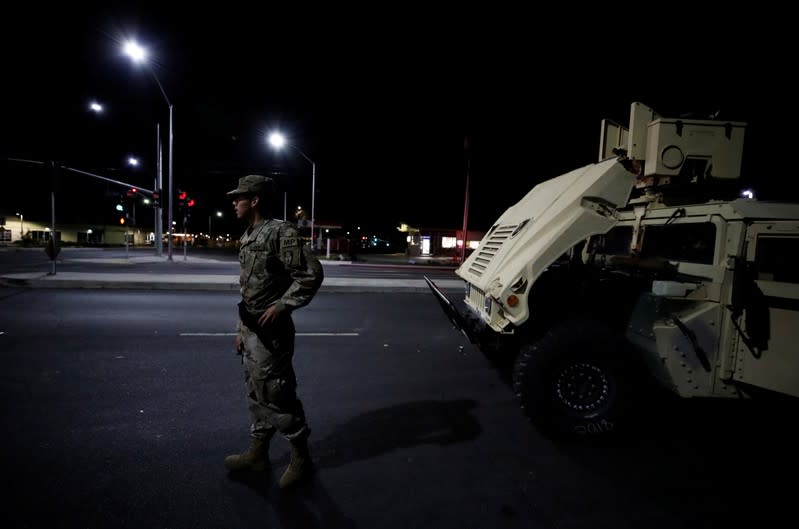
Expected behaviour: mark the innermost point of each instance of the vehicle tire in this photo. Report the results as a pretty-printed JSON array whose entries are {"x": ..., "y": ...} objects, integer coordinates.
[{"x": 574, "y": 381}]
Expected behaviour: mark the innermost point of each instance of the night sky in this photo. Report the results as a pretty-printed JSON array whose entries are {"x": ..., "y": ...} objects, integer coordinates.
[{"x": 380, "y": 99}]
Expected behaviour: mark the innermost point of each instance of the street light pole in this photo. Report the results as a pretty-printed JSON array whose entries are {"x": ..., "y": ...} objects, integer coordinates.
[
  {"x": 171, "y": 180},
  {"x": 313, "y": 199},
  {"x": 169, "y": 168},
  {"x": 466, "y": 203},
  {"x": 159, "y": 217},
  {"x": 138, "y": 55},
  {"x": 21, "y": 226},
  {"x": 313, "y": 189},
  {"x": 218, "y": 214},
  {"x": 278, "y": 140},
  {"x": 313, "y": 192}
]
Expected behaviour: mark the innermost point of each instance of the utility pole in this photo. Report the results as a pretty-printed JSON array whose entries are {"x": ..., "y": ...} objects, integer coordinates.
[
  {"x": 465, "y": 203},
  {"x": 159, "y": 216},
  {"x": 53, "y": 244}
]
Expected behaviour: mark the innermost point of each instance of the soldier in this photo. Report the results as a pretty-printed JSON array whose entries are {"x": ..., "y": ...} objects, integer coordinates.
[{"x": 279, "y": 274}]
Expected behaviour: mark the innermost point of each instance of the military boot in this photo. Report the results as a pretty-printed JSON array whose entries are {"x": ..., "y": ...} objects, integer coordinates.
[
  {"x": 300, "y": 465},
  {"x": 255, "y": 458}
]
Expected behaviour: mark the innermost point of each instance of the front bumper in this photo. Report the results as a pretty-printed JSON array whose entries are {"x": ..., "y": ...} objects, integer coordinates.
[{"x": 465, "y": 325}]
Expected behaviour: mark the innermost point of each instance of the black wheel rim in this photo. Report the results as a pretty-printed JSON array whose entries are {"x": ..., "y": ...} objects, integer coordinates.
[{"x": 583, "y": 388}]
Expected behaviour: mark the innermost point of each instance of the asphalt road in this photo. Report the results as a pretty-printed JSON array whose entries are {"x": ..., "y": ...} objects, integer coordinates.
[{"x": 118, "y": 408}]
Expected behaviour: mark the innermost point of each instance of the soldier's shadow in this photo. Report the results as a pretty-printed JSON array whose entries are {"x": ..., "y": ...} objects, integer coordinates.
[
  {"x": 306, "y": 507},
  {"x": 364, "y": 436},
  {"x": 385, "y": 430}
]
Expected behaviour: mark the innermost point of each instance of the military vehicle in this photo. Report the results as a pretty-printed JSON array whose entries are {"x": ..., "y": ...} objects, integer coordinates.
[{"x": 646, "y": 269}]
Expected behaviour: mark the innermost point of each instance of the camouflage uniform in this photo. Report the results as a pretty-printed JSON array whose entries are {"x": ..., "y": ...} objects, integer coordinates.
[{"x": 276, "y": 267}]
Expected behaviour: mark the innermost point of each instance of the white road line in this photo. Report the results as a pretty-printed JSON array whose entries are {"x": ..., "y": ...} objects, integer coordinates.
[
  {"x": 328, "y": 334},
  {"x": 298, "y": 334}
]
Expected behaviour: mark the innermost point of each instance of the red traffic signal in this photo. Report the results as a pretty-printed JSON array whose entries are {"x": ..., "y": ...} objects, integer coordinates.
[
  {"x": 191, "y": 202},
  {"x": 182, "y": 195},
  {"x": 131, "y": 192}
]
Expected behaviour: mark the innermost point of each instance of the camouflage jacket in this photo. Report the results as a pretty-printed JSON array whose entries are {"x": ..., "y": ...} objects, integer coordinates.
[{"x": 276, "y": 267}]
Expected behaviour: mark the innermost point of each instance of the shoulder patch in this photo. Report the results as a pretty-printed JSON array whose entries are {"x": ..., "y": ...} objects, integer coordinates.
[{"x": 289, "y": 242}]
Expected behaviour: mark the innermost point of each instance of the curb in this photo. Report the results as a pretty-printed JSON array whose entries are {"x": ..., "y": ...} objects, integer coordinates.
[{"x": 210, "y": 283}]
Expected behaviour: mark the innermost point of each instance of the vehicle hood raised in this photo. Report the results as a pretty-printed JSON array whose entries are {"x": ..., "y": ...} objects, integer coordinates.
[{"x": 553, "y": 217}]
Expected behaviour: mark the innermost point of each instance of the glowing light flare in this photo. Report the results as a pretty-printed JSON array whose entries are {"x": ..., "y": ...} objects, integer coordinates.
[
  {"x": 277, "y": 140},
  {"x": 134, "y": 51}
]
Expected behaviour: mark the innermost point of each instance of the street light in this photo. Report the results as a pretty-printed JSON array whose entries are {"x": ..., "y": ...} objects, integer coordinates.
[
  {"x": 131, "y": 193},
  {"x": 218, "y": 214},
  {"x": 138, "y": 54},
  {"x": 278, "y": 141},
  {"x": 21, "y": 225}
]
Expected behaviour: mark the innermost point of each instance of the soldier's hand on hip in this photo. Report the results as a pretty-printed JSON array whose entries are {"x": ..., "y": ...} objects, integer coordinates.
[{"x": 271, "y": 314}]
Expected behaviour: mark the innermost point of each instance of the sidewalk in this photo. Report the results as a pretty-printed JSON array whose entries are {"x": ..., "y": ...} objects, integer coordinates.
[{"x": 202, "y": 282}]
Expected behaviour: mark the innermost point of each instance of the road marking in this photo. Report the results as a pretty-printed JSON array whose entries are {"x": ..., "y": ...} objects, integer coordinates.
[
  {"x": 298, "y": 334},
  {"x": 328, "y": 334}
]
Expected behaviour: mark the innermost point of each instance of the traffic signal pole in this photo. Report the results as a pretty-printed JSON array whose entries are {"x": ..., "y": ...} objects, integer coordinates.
[{"x": 184, "y": 206}]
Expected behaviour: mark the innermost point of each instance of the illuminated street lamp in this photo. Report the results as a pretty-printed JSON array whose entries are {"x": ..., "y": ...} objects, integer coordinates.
[
  {"x": 21, "y": 225},
  {"x": 278, "y": 141},
  {"x": 139, "y": 55},
  {"x": 219, "y": 215}
]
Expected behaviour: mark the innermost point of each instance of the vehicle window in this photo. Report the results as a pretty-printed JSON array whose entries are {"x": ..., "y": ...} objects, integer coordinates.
[
  {"x": 776, "y": 257},
  {"x": 690, "y": 243},
  {"x": 614, "y": 242}
]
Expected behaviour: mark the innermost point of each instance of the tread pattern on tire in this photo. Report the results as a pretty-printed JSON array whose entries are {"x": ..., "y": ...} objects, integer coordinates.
[{"x": 588, "y": 343}]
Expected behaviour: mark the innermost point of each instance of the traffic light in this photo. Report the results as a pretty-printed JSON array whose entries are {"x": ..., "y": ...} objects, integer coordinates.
[
  {"x": 131, "y": 192},
  {"x": 181, "y": 199},
  {"x": 190, "y": 203}
]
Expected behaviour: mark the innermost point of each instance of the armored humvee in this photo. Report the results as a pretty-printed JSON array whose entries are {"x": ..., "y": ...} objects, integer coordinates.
[{"x": 649, "y": 266}]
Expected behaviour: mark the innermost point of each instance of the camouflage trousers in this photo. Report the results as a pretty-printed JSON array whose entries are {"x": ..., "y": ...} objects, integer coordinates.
[{"x": 270, "y": 380}]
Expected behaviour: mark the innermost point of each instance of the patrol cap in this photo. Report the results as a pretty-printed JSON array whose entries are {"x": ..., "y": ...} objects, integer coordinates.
[{"x": 253, "y": 184}]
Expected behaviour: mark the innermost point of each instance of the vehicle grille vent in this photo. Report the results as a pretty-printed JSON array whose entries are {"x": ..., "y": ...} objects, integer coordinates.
[
  {"x": 477, "y": 297},
  {"x": 487, "y": 251}
]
